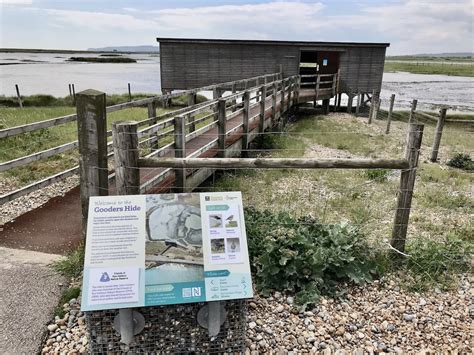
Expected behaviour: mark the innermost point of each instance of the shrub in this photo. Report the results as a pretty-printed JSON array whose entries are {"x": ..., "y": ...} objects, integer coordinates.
[
  {"x": 462, "y": 161},
  {"x": 72, "y": 264},
  {"x": 305, "y": 257}
]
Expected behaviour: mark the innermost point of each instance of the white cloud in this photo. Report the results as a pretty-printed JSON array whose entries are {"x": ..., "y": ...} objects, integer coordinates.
[
  {"x": 101, "y": 20},
  {"x": 16, "y": 2}
]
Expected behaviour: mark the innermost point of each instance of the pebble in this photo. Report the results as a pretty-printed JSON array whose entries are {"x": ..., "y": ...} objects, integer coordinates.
[
  {"x": 408, "y": 317},
  {"x": 52, "y": 327}
]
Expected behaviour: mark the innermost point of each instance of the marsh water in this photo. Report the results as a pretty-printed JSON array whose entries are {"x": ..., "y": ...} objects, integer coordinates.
[{"x": 50, "y": 73}]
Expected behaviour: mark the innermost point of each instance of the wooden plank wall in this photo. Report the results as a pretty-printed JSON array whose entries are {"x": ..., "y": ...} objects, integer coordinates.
[{"x": 190, "y": 65}]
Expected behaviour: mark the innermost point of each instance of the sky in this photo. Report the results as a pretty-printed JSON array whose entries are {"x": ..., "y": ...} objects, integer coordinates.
[{"x": 411, "y": 26}]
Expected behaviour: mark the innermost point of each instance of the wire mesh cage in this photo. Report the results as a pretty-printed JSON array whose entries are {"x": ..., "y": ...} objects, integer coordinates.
[{"x": 170, "y": 330}]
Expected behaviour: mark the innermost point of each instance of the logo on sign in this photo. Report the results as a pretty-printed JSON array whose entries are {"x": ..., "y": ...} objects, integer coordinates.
[{"x": 105, "y": 277}]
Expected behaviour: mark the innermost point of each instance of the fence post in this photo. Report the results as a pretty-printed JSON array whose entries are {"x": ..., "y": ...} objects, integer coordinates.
[
  {"x": 358, "y": 105},
  {"x": 316, "y": 92},
  {"x": 190, "y": 117},
  {"x": 350, "y": 99},
  {"x": 151, "y": 108},
  {"x": 407, "y": 184},
  {"x": 245, "y": 121},
  {"x": 73, "y": 94},
  {"x": 222, "y": 127},
  {"x": 372, "y": 107},
  {"x": 296, "y": 91},
  {"x": 282, "y": 99},
  {"x": 274, "y": 104},
  {"x": 390, "y": 110},
  {"x": 234, "y": 101},
  {"x": 412, "y": 111},
  {"x": 261, "y": 123},
  {"x": 129, "y": 93},
  {"x": 375, "y": 111},
  {"x": 20, "y": 102},
  {"x": 127, "y": 180},
  {"x": 127, "y": 173},
  {"x": 180, "y": 151},
  {"x": 92, "y": 136},
  {"x": 438, "y": 134}
]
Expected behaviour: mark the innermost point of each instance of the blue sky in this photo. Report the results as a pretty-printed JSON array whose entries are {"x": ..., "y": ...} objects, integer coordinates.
[{"x": 411, "y": 26}]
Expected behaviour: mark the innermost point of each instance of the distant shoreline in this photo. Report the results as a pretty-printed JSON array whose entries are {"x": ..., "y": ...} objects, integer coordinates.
[{"x": 67, "y": 51}]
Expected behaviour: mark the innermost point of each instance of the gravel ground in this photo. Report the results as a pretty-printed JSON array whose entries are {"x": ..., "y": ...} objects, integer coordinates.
[
  {"x": 380, "y": 317},
  {"x": 32, "y": 200}
]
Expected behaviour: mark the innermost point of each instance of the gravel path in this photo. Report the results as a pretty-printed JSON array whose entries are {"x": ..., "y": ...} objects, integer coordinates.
[{"x": 380, "y": 317}]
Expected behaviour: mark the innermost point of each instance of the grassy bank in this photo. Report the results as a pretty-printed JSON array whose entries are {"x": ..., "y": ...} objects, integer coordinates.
[
  {"x": 29, "y": 143},
  {"x": 431, "y": 68}
]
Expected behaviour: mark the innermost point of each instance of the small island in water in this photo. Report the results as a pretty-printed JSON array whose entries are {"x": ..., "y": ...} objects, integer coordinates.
[{"x": 108, "y": 59}]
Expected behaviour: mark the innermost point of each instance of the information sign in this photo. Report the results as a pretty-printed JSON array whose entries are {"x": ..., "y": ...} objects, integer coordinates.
[{"x": 146, "y": 250}]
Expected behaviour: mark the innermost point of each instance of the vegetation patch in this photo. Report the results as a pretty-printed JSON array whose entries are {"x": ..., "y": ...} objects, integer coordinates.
[
  {"x": 71, "y": 266},
  {"x": 68, "y": 294},
  {"x": 305, "y": 257},
  {"x": 379, "y": 175},
  {"x": 430, "y": 68},
  {"x": 436, "y": 263},
  {"x": 462, "y": 161}
]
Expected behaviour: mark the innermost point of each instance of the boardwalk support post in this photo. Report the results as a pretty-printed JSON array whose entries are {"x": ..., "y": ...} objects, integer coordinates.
[
  {"x": 372, "y": 107},
  {"x": 92, "y": 136},
  {"x": 358, "y": 105},
  {"x": 180, "y": 150},
  {"x": 316, "y": 91},
  {"x": 350, "y": 99},
  {"x": 438, "y": 134},
  {"x": 274, "y": 104},
  {"x": 127, "y": 176},
  {"x": 222, "y": 127},
  {"x": 245, "y": 121},
  {"x": 407, "y": 183},
  {"x": 390, "y": 111}
]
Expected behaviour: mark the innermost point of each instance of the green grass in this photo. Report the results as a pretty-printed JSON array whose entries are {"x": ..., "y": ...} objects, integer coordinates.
[
  {"x": 68, "y": 294},
  {"x": 431, "y": 68}
]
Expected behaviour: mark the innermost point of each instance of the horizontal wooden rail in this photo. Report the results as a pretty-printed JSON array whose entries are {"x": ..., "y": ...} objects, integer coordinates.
[
  {"x": 37, "y": 156},
  {"x": 274, "y": 163},
  {"x": 30, "y": 127}
]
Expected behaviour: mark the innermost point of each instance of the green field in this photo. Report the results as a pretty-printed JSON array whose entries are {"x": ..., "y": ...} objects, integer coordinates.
[{"x": 431, "y": 68}]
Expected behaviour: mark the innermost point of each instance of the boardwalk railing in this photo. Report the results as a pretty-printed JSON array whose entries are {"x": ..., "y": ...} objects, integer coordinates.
[{"x": 154, "y": 134}]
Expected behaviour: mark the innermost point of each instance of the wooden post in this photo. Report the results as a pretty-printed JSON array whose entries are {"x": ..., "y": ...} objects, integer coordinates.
[
  {"x": 151, "y": 108},
  {"x": 70, "y": 91},
  {"x": 372, "y": 106},
  {"x": 274, "y": 103},
  {"x": 326, "y": 106},
  {"x": 407, "y": 184},
  {"x": 390, "y": 111},
  {"x": 20, "y": 102},
  {"x": 334, "y": 81},
  {"x": 282, "y": 99},
  {"x": 190, "y": 118},
  {"x": 234, "y": 101},
  {"x": 316, "y": 93},
  {"x": 222, "y": 127},
  {"x": 339, "y": 97},
  {"x": 180, "y": 151},
  {"x": 375, "y": 112},
  {"x": 92, "y": 137},
  {"x": 296, "y": 91},
  {"x": 73, "y": 94},
  {"x": 261, "y": 123},
  {"x": 412, "y": 111},
  {"x": 127, "y": 173},
  {"x": 245, "y": 121},
  {"x": 358, "y": 105},
  {"x": 216, "y": 94},
  {"x": 129, "y": 93},
  {"x": 438, "y": 134},
  {"x": 350, "y": 99}
]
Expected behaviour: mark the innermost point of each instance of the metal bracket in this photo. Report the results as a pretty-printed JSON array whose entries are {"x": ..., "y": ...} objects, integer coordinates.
[
  {"x": 128, "y": 323},
  {"x": 211, "y": 317}
]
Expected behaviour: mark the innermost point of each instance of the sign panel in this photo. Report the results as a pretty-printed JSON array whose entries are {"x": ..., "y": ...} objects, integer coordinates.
[{"x": 148, "y": 250}]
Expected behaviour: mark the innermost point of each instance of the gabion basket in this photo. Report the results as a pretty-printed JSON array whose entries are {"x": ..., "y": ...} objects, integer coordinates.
[{"x": 170, "y": 330}]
